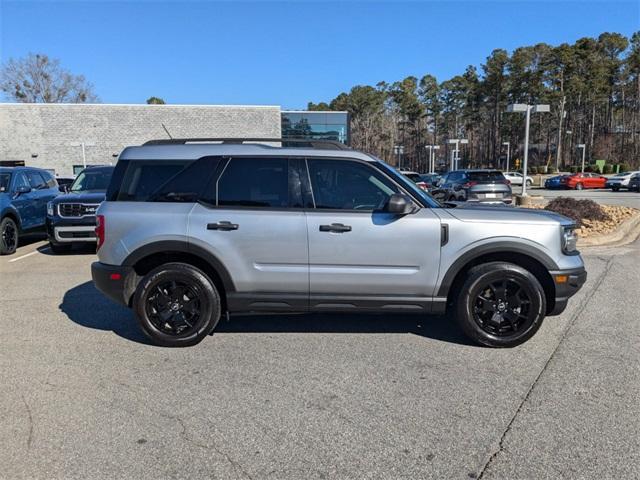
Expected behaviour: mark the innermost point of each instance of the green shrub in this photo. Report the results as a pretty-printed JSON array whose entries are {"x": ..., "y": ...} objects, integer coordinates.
[
  {"x": 608, "y": 169},
  {"x": 624, "y": 167},
  {"x": 533, "y": 170},
  {"x": 574, "y": 169},
  {"x": 577, "y": 210},
  {"x": 552, "y": 170}
]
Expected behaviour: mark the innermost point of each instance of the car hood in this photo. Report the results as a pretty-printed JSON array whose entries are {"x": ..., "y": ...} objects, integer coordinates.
[
  {"x": 467, "y": 212},
  {"x": 80, "y": 197}
]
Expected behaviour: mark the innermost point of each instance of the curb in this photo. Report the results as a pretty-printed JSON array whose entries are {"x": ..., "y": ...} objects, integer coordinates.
[{"x": 627, "y": 232}]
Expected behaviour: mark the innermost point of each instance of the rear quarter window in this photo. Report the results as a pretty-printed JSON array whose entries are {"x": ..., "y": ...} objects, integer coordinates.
[{"x": 161, "y": 180}]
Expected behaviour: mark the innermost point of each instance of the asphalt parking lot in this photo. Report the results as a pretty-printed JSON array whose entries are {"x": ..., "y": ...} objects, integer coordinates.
[{"x": 85, "y": 396}]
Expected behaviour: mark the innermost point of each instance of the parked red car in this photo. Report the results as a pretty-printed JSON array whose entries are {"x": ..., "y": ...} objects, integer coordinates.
[{"x": 583, "y": 180}]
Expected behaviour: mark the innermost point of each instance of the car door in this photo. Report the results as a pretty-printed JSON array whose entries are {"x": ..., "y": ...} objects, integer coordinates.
[
  {"x": 255, "y": 225},
  {"x": 24, "y": 203},
  {"x": 40, "y": 194},
  {"x": 359, "y": 255}
]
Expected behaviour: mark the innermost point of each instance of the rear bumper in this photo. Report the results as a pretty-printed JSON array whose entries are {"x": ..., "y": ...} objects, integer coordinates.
[
  {"x": 566, "y": 287},
  {"x": 116, "y": 282}
]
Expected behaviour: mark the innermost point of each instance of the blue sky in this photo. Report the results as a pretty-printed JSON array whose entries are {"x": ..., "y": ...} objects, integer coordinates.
[{"x": 285, "y": 53}]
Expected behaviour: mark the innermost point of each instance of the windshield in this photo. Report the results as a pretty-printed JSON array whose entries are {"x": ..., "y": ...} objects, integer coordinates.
[
  {"x": 5, "y": 180},
  {"x": 623, "y": 174},
  {"x": 486, "y": 177},
  {"x": 408, "y": 184},
  {"x": 413, "y": 176},
  {"x": 92, "y": 180}
]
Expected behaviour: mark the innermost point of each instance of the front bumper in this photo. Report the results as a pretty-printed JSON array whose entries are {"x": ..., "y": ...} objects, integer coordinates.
[
  {"x": 567, "y": 283},
  {"x": 62, "y": 230},
  {"x": 116, "y": 282}
]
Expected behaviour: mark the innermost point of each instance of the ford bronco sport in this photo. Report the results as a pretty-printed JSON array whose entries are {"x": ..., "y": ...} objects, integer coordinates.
[{"x": 195, "y": 229}]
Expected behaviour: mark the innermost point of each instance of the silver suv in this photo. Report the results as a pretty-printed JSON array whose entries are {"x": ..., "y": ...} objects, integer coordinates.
[{"x": 193, "y": 230}]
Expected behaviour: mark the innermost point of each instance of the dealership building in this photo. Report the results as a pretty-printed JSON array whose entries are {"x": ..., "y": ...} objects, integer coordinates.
[{"x": 64, "y": 137}]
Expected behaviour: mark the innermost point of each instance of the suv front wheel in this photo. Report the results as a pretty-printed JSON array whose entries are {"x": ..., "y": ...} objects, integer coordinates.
[
  {"x": 500, "y": 304},
  {"x": 177, "y": 305}
]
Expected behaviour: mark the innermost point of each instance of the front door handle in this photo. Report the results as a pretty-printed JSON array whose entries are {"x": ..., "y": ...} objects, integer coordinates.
[
  {"x": 223, "y": 225},
  {"x": 335, "y": 227}
]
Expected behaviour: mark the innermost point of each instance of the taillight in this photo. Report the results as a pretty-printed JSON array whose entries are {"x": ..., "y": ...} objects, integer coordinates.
[
  {"x": 422, "y": 185},
  {"x": 469, "y": 184},
  {"x": 507, "y": 181},
  {"x": 99, "y": 231}
]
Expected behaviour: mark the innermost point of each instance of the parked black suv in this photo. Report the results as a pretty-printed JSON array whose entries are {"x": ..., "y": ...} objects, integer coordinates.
[
  {"x": 71, "y": 218},
  {"x": 487, "y": 186}
]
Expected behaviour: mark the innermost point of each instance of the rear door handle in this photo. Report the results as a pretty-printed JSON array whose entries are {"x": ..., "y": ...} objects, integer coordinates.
[
  {"x": 335, "y": 227},
  {"x": 223, "y": 225}
]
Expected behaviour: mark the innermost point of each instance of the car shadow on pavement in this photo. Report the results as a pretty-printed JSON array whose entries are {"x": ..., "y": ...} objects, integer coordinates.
[
  {"x": 86, "y": 306},
  {"x": 439, "y": 327},
  {"x": 85, "y": 249}
]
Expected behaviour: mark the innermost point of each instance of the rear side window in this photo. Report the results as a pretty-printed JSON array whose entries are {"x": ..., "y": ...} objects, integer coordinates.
[
  {"x": 255, "y": 182},
  {"x": 486, "y": 177}
]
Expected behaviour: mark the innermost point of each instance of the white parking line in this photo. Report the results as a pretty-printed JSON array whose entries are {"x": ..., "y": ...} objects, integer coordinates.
[{"x": 28, "y": 255}]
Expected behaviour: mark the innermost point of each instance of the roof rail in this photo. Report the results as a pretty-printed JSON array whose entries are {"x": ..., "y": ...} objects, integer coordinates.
[{"x": 286, "y": 142}]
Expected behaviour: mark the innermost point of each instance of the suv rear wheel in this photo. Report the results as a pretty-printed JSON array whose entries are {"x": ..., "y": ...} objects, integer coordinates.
[
  {"x": 500, "y": 304},
  {"x": 177, "y": 305}
]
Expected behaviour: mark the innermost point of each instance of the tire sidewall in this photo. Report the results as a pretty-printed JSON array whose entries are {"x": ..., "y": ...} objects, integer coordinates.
[
  {"x": 478, "y": 277},
  {"x": 209, "y": 301}
]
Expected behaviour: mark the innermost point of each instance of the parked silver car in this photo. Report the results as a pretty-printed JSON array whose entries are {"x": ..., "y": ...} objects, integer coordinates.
[{"x": 193, "y": 231}]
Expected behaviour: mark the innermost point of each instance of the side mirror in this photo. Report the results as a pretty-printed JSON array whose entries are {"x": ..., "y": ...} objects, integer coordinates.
[
  {"x": 63, "y": 188},
  {"x": 399, "y": 204},
  {"x": 22, "y": 189}
]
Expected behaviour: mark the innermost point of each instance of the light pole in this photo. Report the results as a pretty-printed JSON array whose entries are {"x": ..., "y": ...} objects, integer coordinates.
[
  {"x": 527, "y": 109},
  {"x": 584, "y": 149},
  {"x": 84, "y": 155},
  {"x": 508, "y": 153},
  {"x": 399, "y": 150},
  {"x": 455, "y": 154},
  {"x": 432, "y": 157}
]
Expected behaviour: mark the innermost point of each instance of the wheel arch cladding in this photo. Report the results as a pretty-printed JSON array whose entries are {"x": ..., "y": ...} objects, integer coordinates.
[
  {"x": 538, "y": 263},
  {"x": 150, "y": 256}
]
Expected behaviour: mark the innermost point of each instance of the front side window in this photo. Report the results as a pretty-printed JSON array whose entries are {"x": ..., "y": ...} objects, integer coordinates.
[
  {"x": 348, "y": 185},
  {"x": 36, "y": 181},
  {"x": 255, "y": 182}
]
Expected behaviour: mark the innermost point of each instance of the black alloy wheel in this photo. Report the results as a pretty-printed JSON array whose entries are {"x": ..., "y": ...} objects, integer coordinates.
[
  {"x": 177, "y": 305},
  {"x": 503, "y": 307},
  {"x": 173, "y": 307},
  {"x": 8, "y": 236},
  {"x": 500, "y": 304}
]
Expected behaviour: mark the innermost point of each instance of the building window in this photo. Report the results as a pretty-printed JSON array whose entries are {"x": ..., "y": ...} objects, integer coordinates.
[{"x": 316, "y": 126}]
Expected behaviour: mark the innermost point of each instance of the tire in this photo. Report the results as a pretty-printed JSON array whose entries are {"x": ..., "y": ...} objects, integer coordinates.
[
  {"x": 500, "y": 325},
  {"x": 59, "y": 249},
  {"x": 579, "y": 186},
  {"x": 615, "y": 189},
  {"x": 156, "y": 298},
  {"x": 529, "y": 183},
  {"x": 9, "y": 235}
]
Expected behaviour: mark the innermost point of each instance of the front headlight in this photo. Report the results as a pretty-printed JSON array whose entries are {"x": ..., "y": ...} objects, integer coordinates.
[
  {"x": 569, "y": 240},
  {"x": 49, "y": 209}
]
